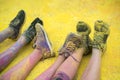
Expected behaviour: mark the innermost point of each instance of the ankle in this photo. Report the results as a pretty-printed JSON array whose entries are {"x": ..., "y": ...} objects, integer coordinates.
[
  {"x": 38, "y": 51},
  {"x": 96, "y": 51},
  {"x": 80, "y": 51},
  {"x": 22, "y": 39}
]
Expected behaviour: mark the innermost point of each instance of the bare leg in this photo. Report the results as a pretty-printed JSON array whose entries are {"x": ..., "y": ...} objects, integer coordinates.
[
  {"x": 7, "y": 56},
  {"x": 51, "y": 70},
  {"x": 92, "y": 71},
  {"x": 69, "y": 68},
  {"x": 5, "y": 34},
  {"x": 22, "y": 69}
]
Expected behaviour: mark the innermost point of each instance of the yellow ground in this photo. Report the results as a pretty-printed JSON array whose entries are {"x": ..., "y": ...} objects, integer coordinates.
[{"x": 60, "y": 18}]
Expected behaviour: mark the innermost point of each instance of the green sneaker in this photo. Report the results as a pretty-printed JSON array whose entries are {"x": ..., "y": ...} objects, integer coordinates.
[
  {"x": 42, "y": 42},
  {"x": 72, "y": 42},
  {"x": 84, "y": 30},
  {"x": 16, "y": 24},
  {"x": 31, "y": 31},
  {"x": 101, "y": 34}
]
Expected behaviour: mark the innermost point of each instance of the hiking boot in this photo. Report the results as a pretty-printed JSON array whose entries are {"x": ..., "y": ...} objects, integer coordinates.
[
  {"x": 72, "y": 42},
  {"x": 16, "y": 24},
  {"x": 100, "y": 35},
  {"x": 84, "y": 30},
  {"x": 31, "y": 31},
  {"x": 42, "y": 42}
]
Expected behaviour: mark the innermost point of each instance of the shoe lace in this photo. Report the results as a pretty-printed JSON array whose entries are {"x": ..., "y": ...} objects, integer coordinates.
[{"x": 70, "y": 46}]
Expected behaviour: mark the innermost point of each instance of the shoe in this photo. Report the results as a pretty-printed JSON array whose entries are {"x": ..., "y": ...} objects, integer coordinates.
[
  {"x": 42, "y": 42},
  {"x": 30, "y": 33},
  {"x": 17, "y": 23},
  {"x": 72, "y": 42},
  {"x": 84, "y": 30},
  {"x": 101, "y": 34}
]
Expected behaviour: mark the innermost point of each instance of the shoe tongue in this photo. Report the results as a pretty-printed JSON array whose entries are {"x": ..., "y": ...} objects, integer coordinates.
[
  {"x": 16, "y": 22},
  {"x": 101, "y": 28},
  {"x": 104, "y": 28},
  {"x": 81, "y": 28},
  {"x": 98, "y": 28}
]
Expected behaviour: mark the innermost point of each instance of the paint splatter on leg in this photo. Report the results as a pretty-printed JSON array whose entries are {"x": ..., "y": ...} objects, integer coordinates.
[
  {"x": 23, "y": 68},
  {"x": 61, "y": 76},
  {"x": 7, "y": 56}
]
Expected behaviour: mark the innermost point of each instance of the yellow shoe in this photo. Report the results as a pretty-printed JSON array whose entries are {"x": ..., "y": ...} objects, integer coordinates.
[{"x": 101, "y": 34}]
